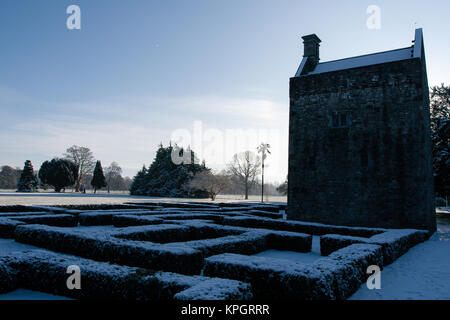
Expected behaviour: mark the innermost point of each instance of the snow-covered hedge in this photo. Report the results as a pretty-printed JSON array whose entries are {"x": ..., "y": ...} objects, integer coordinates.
[
  {"x": 59, "y": 220},
  {"x": 8, "y": 278},
  {"x": 245, "y": 243},
  {"x": 217, "y": 289},
  {"x": 101, "y": 245},
  {"x": 175, "y": 204},
  {"x": 17, "y": 214},
  {"x": 394, "y": 242},
  {"x": 346, "y": 269},
  {"x": 330, "y": 243},
  {"x": 265, "y": 214},
  {"x": 297, "y": 226},
  {"x": 105, "y": 217},
  {"x": 18, "y": 208},
  {"x": 103, "y": 206},
  {"x": 289, "y": 241},
  {"x": 333, "y": 277},
  {"x": 120, "y": 221},
  {"x": 100, "y": 280},
  {"x": 7, "y": 227}
]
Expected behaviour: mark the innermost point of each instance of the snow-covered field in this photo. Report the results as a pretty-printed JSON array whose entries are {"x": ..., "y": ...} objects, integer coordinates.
[
  {"x": 422, "y": 273},
  {"x": 309, "y": 257},
  {"x": 53, "y": 198}
]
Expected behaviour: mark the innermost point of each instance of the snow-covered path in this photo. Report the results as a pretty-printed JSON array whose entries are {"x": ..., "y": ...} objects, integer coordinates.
[{"x": 423, "y": 273}]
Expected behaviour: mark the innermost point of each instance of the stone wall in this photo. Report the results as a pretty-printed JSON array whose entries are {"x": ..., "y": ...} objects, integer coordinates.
[{"x": 374, "y": 169}]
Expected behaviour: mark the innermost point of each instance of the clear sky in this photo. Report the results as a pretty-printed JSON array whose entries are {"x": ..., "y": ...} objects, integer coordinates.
[{"x": 139, "y": 71}]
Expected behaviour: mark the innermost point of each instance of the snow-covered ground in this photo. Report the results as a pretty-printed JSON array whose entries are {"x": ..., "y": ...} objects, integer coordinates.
[
  {"x": 53, "y": 198},
  {"x": 423, "y": 273},
  {"x": 309, "y": 257},
  {"x": 25, "y": 294}
]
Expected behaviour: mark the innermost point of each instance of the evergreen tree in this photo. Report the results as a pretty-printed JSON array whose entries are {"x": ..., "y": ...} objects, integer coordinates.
[
  {"x": 28, "y": 181},
  {"x": 137, "y": 186},
  {"x": 440, "y": 134},
  {"x": 166, "y": 177},
  {"x": 59, "y": 173},
  {"x": 99, "y": 180}
]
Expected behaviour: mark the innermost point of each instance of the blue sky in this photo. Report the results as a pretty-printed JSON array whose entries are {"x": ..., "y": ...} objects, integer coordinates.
[{"x": 138, "y": 71}]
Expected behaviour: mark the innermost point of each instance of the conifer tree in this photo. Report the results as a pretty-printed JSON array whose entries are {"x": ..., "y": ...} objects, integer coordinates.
[
  {"x": 166, "y": 177},
  {"x": 59, "y": 173},
  {"x": 98, "y": 180},
  {"x": 28, "y": 181}
]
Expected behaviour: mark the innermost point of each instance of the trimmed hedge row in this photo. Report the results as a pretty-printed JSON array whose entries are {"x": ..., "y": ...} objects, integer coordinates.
[
  {"x": 394, "y": 242},
  {"x": 101, "y": 280},
  {"x": 103, "y": 218},
  {"x": 101, "y": 246},
  {"x": 334, "y": 277},
  {"x": 297, "y": 226},
  {"x": 59, "y": 220},
  {"x": 120, "y": 221},
  {"x": 7, "y": 227}
]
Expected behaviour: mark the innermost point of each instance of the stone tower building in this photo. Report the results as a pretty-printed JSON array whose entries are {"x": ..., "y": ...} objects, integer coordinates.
[{"x": 359, "y": 140}]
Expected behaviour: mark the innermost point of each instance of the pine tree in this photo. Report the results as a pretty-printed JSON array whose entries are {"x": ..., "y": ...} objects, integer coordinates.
[
  {"x": 98, "y": 181},
  {"x": 28, "y": 181},
  {"x": 137, "y": 186},
  {"x": 164, "y": 178}
]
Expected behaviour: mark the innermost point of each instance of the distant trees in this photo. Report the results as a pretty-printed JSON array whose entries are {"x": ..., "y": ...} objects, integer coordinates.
[
  {"x": 98, "y": 180},
  {"x": 84, "y": 159},
  {"x": 164, "y": 178},
  {"x": 9, "y": 177},
  {"x": 245, "y": 168},
  {"x": 283, "y": 188},
  {"x": 59, "y": 173},
  {"x": 211, "y": 183},
  {"x": 440, "y": 130},
  {"x": 113, "y": 175},
  {"x": 28, "y": 181}
]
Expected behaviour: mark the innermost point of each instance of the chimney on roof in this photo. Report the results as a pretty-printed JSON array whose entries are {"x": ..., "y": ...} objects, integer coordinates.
[{"x": 311, "y": 47}]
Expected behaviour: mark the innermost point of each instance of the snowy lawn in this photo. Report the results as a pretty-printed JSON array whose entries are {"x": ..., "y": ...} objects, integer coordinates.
[
  {"x": 422, "y": 273},
  {"x": 25, "y": 294},
  {"x": 308, "y": 257},
  {"x": 53, "y": 198}
]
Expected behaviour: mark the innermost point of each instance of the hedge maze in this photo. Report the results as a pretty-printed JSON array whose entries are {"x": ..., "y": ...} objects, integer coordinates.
[{"x": 194, "y": 251}]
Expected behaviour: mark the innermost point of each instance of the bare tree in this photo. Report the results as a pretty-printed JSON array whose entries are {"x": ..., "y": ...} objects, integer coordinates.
[
  {"x": 9, "y": 177},
  {"x": 113, "y": 175},
  {"x": 213, "y": 184},
  {"x": 245, "y": 168},
  {"x": 84, "y": 159}
]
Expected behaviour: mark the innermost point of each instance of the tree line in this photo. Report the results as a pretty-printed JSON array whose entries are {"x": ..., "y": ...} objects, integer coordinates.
[
  {"x": 77, "y": 168},
  {"x": 164, "y": 178}
]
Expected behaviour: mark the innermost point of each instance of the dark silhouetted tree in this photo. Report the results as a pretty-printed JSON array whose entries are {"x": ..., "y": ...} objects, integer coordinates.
[
  {"x": 58, "y": 173},
  {"x": 98, "y": 180},
  {"x": 28, "y": 181},
  {"x": 169, "y": 174},
  {"x": 440, "y": 134}
]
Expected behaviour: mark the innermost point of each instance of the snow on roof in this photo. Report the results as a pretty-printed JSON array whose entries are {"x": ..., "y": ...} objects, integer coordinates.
[
  {"x": 365, "y": 60},
  {"x": 415, "y": 51}
]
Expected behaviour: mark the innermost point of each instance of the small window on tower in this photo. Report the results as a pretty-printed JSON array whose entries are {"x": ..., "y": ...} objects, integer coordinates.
[{"x": 339, "y": 120}]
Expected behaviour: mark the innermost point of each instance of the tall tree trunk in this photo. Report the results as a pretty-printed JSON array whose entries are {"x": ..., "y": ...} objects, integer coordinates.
[{"x": 246, "y": 190}]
